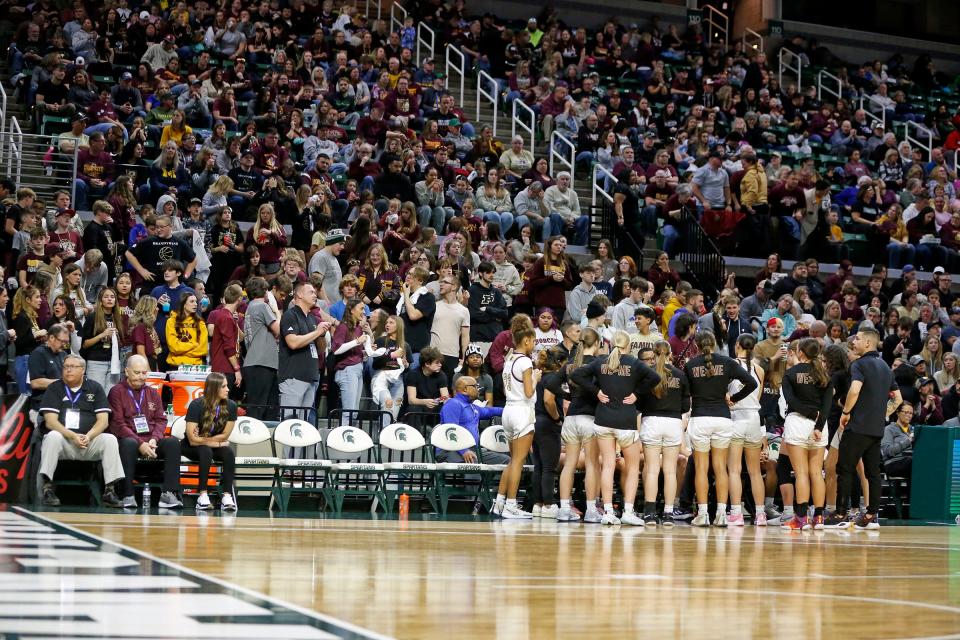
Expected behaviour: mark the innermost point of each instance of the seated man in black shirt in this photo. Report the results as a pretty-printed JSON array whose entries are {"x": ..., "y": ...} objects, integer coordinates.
[
  {"x": 46, "y": 362},
  {"x": 427, "y": 386},
  {"x": 76, "y": 415}
]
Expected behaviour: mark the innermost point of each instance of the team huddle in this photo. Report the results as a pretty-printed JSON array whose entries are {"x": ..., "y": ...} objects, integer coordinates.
[{"x": 615, "y": 406}]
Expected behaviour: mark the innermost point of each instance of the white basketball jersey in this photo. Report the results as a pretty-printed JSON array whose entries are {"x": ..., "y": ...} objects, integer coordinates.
[
  {"x": 513, "y": 368},
  {"x": 752, "y": 401}
]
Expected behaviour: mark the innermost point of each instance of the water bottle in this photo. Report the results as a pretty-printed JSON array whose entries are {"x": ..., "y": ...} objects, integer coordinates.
[
  {"x": 404, "y": 506},
  {"x": 146, "y": 496}
]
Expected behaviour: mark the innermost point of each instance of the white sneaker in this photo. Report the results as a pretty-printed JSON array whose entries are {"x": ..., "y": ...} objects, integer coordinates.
[
  {"x": 227, "y": 503},
  {"x": 567, "y": 515},
  {"x": 203, "y": 502},
  {"x": 702, "y": 520},
  {"x": 496, "y": 510},
  {"x": 550, "y": 512},
  {"x": 609, "y": 518},
  {"x": 721, "y": 519},
  {"x": 631, "y": 518},
  {"x": 536, "y": 510},
  {"x": 511, "y": 512},
  {"x": 592, "y": 516}
]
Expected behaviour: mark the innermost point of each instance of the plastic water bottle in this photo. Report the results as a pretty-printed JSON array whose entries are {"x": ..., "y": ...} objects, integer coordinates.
[
  {"x": 146, "y": 496},
  {"x": 404, "y": 506}
]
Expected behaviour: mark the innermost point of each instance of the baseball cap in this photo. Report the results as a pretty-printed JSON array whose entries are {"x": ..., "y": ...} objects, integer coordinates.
[
  {"x": 80, "y": 61},
  {"x": 472, "y": 348},
  {"x": 335, "y": 236},
  {"x": 377, "y": 105},
  {"x": 768, "y": 286},
  {"x": 79, "y": 117},
  {"x": 126, "y": 75},
  {"x": 532, "y": 21},
  {"x": 907, "y": 268},
  {"x": 650, "y": 134},
  {"x": 924, "y": 381},
  {"x": 195, "y": 201},
  {"x": 169, "y": 38},
  {"x": 248, "y": 152},
  {"x": 915, "y": 360},
  {"x": 453, "y": 122},
  {"x": 939, "y": 270},
  {"x": 954, "y": 310},
  {"x": 65, "y": 212},
  {"x": 772, "y": 322}
]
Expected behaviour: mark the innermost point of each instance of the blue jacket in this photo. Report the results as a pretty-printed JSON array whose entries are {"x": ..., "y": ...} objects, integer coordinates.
[{"x": 459, "y": 410}]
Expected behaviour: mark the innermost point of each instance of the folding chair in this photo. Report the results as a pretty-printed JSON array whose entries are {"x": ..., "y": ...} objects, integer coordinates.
[
  {"x": 362, "y": 478},
  {"x": 453, "y": 437},
  {"x": 254, "y": 470},
  {"x": 297, "y": 475},
  {"x": 407, "y": 466}
]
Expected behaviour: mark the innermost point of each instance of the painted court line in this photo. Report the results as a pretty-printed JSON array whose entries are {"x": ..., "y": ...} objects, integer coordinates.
[{"x": 329, "y": 624}]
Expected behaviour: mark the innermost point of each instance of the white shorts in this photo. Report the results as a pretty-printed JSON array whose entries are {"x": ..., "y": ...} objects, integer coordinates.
[
  {"x": 798, "y": 432},
  {"x": 623, "y": 437},
  {"x": 578, "y": 429},
  {"x": 707, "y": 431},
  {"x": 747, "y": 430},
  {"x": 517, "y": 421},
  {"x": 835, "y": 441},
  {"x": 660, "y": 431}
]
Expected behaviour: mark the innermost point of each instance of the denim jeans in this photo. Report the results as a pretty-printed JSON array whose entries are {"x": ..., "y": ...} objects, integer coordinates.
[
  {"x": 84, "y": 191},
  {"x": 435, "y": 217},
  {"x": 504, "y": 219},
  {"x": 350, "y": 381},
  {"x": 20, "y": 367},
  {"x": 581, "y": 224},
  {"x": 671, "y": 240},
  {"x": 899, "y": 254},
  {"x": 540, "y": 229}
]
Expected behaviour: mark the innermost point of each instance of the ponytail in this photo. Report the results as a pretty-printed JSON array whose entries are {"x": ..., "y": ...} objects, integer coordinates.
[
  {"x": 621, "y": 345},
  {"x": 706, "y": 343},
  {"x": 588, "y": 338},
  {"x": 747, "y": 341},
  {"x": 663, "y": 354},
  {"x": 811, "y": 349},
  {"x": 550, "y": 360}
]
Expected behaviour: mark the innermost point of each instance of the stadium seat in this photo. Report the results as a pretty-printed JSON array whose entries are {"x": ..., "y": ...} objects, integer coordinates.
[
  {"x": 255, "y": 469},
  {"x": 451, "y": 477},
  {"x": 301, "y": 472},
  {"x": 406, "y": 463},
  {"x": 362, "y": 478}
]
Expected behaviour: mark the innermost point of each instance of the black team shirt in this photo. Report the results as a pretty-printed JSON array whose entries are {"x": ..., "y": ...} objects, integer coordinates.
[
  {"x": 632, "y": 376},
  {"x": 805, "y": 396},
  {"x": 676, "y": 397},
  {"x": 709, "y": 389},
  {"x": 869, "y": 414}
]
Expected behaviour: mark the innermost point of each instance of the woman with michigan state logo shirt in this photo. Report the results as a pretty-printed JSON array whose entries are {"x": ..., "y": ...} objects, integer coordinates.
[{"x": 226, "y": 252}]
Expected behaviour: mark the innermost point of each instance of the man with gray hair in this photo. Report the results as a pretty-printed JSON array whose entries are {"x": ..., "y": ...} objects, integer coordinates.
[
  {"x": 563, "y": 203},
  {"x": 76, "y": 415},
  {"x": 531, "y": 209},
  {"x": 45, "y": 363}
]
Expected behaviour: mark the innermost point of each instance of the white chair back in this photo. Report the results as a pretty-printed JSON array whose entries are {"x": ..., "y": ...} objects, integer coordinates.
[
  {"x": 296, "y": 433},
  {"x": 179, "y": 428},
  {"x": 451, "y": 437},
  {"x": 249, "y": 431},
  {"x": 401, "y": 437},
  {"x": 349, "y": 440},
  {"x": 494, "y": 438}
]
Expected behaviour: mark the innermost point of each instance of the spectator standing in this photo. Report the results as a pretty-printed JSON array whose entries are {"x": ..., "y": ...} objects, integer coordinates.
[
  {"x": 186, "y": 332},
  {"x": 450, "y": 330},
  {"x": 98, "y": 234},
  {"x": 261, "y": 328},
  {"x": 349, "y": 340},
  {"x": 325, "y": 263},
  {"x": 299, "y": 362},
  {"x": 224, "y": 326},
  {"x": 416, "y": 308},
  {"x": 488, "y": 308}
]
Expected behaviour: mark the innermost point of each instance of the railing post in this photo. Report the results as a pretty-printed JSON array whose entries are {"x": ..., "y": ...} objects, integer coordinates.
[
  {"x": 423, "y": 40},
  {"x": 529, "y": 128},
  {"x": 785, "y": 58},
  {"x": 570, "y": 163},
  {"x": 3, "y": 117},
  {"x": 482, "y": 77}
]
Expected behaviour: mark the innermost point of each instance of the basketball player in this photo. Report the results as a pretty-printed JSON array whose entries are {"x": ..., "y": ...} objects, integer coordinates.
[
  {"x": 808, "y": 393},
  {"x": 710, "y": 427},
  {"x": 749, "y": 437},
  {"x": 617, "y": 380}
]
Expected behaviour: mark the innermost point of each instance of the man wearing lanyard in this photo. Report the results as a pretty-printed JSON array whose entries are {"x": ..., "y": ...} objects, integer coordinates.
[
  {"x": 76, "y": 414},
  {"x": 299, "y": 372},
  {"x": 139, "y": 423}
]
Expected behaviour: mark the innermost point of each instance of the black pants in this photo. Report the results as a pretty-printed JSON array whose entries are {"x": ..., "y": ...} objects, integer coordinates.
[
  {"x": 449, "y": 364},
  {"x": 899, "y": 468},
  {"x": 263, "y": 395},
  {"x": 205, "y": 456},
  {"x": 546, "y": 459},
  {"x": 168, "y": 450},
  {"x": 853, "y": 447},
  {"x": 688, "y": 486}
]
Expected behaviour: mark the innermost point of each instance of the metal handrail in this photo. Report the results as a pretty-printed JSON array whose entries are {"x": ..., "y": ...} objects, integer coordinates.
[
  {"x": 377, "y": 2},
  {"x": 558, "y": 139},
  {"x": 752, "y": 40},
  {"x": 786, "y": 59},
  {"x": 15, "y": 155},
  {"x": 702, "y": 257},
  {"x": 517, "y": 121},
  {"x": 915, "y": 140},
  {"x": 882, "y": 118},
  {"x": 461, "y": 70},
  {"x": 597, "y": 187},
  {"x": 822, "y": 88},
  {"x": 396, "y": 24},
  {"x": 421, "y": 40},
  {"x": 713, "y": 16},
  {"x": 3, "y": 116},
  {"x": 483, "y": 76}
]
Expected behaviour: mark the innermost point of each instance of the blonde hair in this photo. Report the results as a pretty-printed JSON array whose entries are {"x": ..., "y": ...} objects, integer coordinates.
[
  {"x": 621, "y": 345},
  {"x": 274, "y": 225}
]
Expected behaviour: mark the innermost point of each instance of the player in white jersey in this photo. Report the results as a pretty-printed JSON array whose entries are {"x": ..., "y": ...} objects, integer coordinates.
[
  {"x": 520, "y": 389},
  {"x": 749, "y": 438}
]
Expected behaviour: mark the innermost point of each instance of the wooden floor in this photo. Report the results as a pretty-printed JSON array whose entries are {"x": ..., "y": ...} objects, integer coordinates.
[{"x": 520, "y": 580}]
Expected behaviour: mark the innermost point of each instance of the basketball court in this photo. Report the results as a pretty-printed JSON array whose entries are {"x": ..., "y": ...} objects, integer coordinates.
[{"x": 116, "y": 575}]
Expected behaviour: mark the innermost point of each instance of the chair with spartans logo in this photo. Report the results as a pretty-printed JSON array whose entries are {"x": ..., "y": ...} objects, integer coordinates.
[
  {"x": 254, "y": 471},
  {"x": 299, "y": 469},
  {"x": 354, "y": 470},
  {"x": 457, "y": 479},
  {"x": 407, "y": 464}
]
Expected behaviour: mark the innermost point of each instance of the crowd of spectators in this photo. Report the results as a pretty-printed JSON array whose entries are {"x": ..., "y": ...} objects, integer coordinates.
[{"x": 407, "y": 235}]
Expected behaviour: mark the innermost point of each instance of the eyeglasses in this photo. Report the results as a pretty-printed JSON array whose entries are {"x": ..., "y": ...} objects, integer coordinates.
[{"x": 73, "y": 366}]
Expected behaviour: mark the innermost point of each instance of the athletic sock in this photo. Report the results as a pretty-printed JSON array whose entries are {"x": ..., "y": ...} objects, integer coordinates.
[
  {"x": 831, "y": 508},
  {"x": 768, "y": 502},
  {"x": 564, "y": 504},
  {"x": 651, "y": 508},
  {"x": 627, "y": 508},
  {"x": 722, "y": 507},
  {"x": 501, "y": 498},
  {"x": 817, "y": 511},
  {"x": 802, "y": 508},
  {"x": 701, "y": 508},
  {"x": 511, "y": 503},
  {"x": 667, "y": 509},
  {"x": 608, "y": 509},
  {"x": 788, "y": 512},
  {"x": 736, "y": 509}
]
